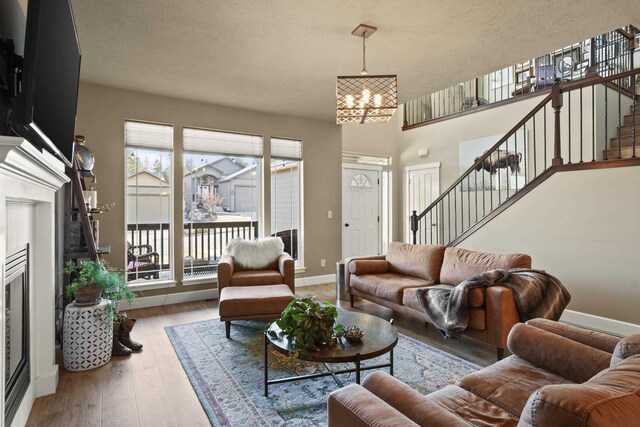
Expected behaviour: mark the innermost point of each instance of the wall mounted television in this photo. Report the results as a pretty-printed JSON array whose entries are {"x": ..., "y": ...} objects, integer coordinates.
[{"x": 44, "y": 112}]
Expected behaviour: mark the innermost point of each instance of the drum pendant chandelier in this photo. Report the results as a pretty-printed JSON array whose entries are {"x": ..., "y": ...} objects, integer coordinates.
[{"x": 364, "y": 98}]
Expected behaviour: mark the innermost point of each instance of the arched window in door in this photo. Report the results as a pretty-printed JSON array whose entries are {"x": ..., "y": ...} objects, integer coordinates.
[{"x": 360, "y": 181}]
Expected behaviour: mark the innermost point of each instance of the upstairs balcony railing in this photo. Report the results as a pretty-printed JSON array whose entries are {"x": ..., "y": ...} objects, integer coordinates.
[
  {"x": 607, "y": 54},
  {"x": 592, "y": 123}
]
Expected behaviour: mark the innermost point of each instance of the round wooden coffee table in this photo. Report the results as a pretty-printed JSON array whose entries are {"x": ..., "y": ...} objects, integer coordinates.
[{"x": 380, "y": 337}]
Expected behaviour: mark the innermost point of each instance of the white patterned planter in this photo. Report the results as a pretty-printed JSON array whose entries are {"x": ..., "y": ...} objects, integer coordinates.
[{"x": 87, "y": 336}]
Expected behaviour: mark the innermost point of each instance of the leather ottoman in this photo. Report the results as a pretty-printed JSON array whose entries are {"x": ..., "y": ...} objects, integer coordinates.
[{"x": 252, "y": 302}]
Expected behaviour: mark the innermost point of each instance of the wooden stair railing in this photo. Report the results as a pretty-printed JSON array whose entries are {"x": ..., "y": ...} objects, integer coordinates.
[{"x": 559, "y": 131}]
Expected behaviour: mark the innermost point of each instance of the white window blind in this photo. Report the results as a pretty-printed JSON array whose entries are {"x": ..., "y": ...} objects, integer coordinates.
[
  {"x": 286, "y": 149},
  {"x": 209, "y": 141},
  {"x": 148, "y": 135}
]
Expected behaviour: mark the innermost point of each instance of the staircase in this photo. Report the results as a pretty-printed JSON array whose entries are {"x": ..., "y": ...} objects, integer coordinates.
[
  {"x": 625, "y": 145},
  {"x": 567, "y": 130}
]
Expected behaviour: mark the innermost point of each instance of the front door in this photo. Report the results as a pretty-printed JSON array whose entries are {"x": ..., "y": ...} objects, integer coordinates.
[
  {"x": 360, "y": 211},
  {"x": 423, "y": 187}
]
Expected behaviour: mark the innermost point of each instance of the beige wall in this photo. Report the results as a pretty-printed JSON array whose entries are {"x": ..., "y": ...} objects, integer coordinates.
[
  {"x": 582, "y": 227},
  {"x": 101, "y": 114}
]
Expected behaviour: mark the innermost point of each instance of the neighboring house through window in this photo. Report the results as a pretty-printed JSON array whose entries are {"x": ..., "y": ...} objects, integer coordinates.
[
  {"x": 286, "y": 195},
  {"x": 221, "y": 195},
  {"x": 148, "y": 151}
]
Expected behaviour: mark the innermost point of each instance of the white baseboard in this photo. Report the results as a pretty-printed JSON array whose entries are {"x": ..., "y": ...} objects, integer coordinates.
[
  {"x": 167, "y": 299},
  {"x": 47, "y": 384},
  {"x": 315, "y": 280},
  {"x": 603, "y": 324},
  {"x": 176, "y": 298}
]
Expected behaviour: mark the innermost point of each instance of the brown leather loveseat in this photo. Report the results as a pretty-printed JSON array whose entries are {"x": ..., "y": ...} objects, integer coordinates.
[
  {"x": 392, "y": 280},
  {"x": 559, "y": 375}
]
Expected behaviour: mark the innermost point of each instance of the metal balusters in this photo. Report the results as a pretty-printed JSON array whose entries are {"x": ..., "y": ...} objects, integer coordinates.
[
  {"x": 535, "y": 149},
  {"x": 545, "y": 136},
  {"x": 581, "y": 124},
  {"x": 619, "y": 121},
  {"x": 569, "y": 126},
  {"x": 593, "y": 124},
  {"x": 606, "y": 123}
]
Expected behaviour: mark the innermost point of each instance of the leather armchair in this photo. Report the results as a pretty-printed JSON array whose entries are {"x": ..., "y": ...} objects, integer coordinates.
[{"x": 281, "y": 271}]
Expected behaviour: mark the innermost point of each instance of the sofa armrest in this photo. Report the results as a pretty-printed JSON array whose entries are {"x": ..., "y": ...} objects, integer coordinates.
[
  {"x": 347, "y": 261},
  {"x": 356, "y": 406},
  {"x": 225, "y": 271},
  {"x": 502, "y": 314},
  {"x": 368, "y": 266},
  {"x": 287, "y": 268},
  {"x": 599, "y": 340},
  {"x": 557, "y": 354}
]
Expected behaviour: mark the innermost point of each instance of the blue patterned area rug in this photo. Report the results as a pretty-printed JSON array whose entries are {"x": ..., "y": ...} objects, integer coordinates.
[{"x": 227, "y": 375}]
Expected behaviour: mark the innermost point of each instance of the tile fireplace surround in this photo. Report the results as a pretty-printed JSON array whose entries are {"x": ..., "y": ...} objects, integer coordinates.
[{"x": 29, "y": 180}]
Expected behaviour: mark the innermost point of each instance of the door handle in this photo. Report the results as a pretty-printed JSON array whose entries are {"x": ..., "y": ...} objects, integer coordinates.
[{"x": 346, "y": 224}]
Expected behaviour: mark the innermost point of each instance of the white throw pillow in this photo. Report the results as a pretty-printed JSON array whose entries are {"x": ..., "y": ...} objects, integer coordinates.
[{"x": 255, "y": 254}]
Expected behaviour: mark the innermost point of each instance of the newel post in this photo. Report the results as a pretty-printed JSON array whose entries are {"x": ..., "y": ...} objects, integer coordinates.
[
  {"x": 414, "y": 225},
  {"x": 556, "y": 104}
]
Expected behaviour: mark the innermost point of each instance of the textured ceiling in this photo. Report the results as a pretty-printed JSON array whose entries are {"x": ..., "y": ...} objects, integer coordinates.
[{"x": 282, "y": 56}]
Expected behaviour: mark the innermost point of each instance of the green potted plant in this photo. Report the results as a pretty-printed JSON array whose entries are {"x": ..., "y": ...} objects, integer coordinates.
[
  {"x": 91, "y": 281},
  {"x": 309, "y": 324}
]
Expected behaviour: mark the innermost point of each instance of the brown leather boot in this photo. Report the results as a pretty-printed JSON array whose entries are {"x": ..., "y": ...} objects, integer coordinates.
[
  {"x": 126, "y": 325},
  {"x": 119, "y": 349}
]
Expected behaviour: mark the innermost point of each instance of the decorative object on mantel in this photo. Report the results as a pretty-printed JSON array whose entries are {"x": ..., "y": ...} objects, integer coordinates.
[
  {"x": 84, "y": 157},
  {"x": 311, "y": 324},
  {"x": 353, "y": 333},
  {"x": 364, "y": 98}
]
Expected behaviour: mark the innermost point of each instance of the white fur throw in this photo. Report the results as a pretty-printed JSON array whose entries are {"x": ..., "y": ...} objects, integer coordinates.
[{"x": 255, "y": 254}]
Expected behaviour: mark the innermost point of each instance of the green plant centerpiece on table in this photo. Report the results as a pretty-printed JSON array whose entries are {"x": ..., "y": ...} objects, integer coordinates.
[
  {"x": 91, "y": 281},
  {"x": 310, "y": 325}
]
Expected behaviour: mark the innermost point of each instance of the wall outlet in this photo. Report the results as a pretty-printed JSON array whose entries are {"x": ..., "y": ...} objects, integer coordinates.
[
  {"x": 323, "y": 263},
  {"x": 330, "y": 214}
]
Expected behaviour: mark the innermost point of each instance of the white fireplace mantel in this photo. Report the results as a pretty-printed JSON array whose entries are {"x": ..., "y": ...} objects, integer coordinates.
[{"x": 29, "y": 179}]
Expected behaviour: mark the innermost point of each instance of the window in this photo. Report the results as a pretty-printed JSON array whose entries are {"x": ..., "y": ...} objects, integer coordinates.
[
  {"x": 286, "y": 195},
  {"x": 148, "y": 150},
  {"x": 221, "y": 195}
]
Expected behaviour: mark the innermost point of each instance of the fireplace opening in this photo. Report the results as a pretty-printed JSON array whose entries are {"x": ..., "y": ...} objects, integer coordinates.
[{"x": 17, "y": 363}]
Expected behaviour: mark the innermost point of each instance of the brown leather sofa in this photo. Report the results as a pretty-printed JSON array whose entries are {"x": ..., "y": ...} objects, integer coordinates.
[
  {"x": 559, "y": 375},
  {"x": 392, "y": 280}
]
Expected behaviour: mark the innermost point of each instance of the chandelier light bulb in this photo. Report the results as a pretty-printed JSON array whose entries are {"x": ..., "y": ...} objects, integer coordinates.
[
  {"x": 366, "y": 95},
  {"x": 349, "y": 100},
  {"x": 377, "y": 100}
]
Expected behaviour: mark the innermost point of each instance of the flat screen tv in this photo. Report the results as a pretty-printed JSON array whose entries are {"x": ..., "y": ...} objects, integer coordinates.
[{"x": 44, "y": 112}]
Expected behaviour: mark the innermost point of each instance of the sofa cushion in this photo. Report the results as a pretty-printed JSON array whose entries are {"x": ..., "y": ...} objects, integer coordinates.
[
  {"x": 387, "y": 286},
  {"x": 474, "y": 409},
  {"x": 475, "y": 296},
  {"x": 626, "y": 347},
  {"x": 509, "y": 383},
  {"x": 611, "y": 398},
  {"x": 256, "y": 277},
  {"x": 462, "y": 264},
  {"x": 368, "y": 266},
  {"x": 421, "y": 261}
]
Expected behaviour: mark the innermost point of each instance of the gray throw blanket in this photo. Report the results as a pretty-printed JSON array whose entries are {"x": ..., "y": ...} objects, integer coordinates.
[{"x": 536, "y": 293}]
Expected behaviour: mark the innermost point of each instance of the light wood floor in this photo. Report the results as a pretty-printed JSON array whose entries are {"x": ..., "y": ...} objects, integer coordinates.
[{"x": 151, "y": 389}]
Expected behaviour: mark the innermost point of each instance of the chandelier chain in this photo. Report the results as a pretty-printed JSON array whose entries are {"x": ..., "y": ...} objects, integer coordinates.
[{"x": 364, "y": 64}]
